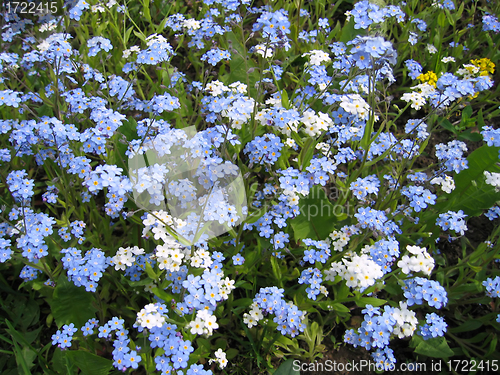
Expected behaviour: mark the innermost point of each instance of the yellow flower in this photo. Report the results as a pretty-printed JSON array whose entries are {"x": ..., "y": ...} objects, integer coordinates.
[
  {"x": 485, "y": 66},
  {"x": 429, "y": 77}
]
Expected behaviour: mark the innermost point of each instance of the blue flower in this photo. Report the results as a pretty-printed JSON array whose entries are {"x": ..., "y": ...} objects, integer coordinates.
[
  {"x": 238, "y": 260},
  {"x": 492, "y": 287},
  {"x": 453, "y": 221},
  {"x": 435, "y": 326},
  {"x": 97, "y": 44},
  {"x": 215, "y": 55}
]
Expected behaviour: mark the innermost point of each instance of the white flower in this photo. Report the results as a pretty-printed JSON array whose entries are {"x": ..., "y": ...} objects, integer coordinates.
[
  {"x": 210, "y": 323},
  {"x": 404, "y": 264},
  {"x": 416, "y": 250},
  {"x": 239, "y": 87},
  {"x": 137, "y": 251},
  {"x": 448, "y": 59},
  {"x": 44, "y": 46},
  {"x": 47, "y": 27},
  {"x": 264, "y": 51},
  {"x": 97, "y": 8},
  {"x": 123, "y": 259},
  {"x": 493, "y": 179},
  {"x": 417, "y": 99},
  {"x": 149, "y": 317},
  {"x": 249, "y": 320},
  {"x": 191, "y": 24},
  {"x": 196, "y": 261},
  {"x": 406, "y": 321},
  {"x": 431, "y": 49},
  {"x": 220, "y": 358},
  {"x": 149, "y": 287},
  {"x": 447, "y": 183},
  {"x": 197, "y": 326},
  {"x": 355, "y": 104},
  {"x": 421, "y": 262},
  {"x": 317, "y": 57},
  {"x": 216, "y": 88}
]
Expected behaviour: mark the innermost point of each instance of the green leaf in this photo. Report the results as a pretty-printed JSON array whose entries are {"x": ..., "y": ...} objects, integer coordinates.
[
  {"x": 436, "y": 347},
  {"x": 472, "y": 194},
  {"x": 287, "y": 368},
  {"x": 165, "y": 296},
  {"x": 231, "y": 353},
  {"x": 126, "y": 36},
  {"x": 150, "y": 272},
  {"x": 333, "y": 306},
  {"x": 442, "y": 20},
  {"x": 449, "y": 17},
  {"x": 88, "y": 363},
  {"x": 145, "y": 10},
  {"x": 241, "y": 68},
  {"x": 140, "y": 36},
  {"x": 470, "y": 325},
  {"x": 493, "y": 346},
  {"x": 276, "y": 271},
  {"x": 71, "y": 304},
  {"x": 362, "y": 302},
  {"x": 467, "y": 113},
  {"x": 285, "y": 102},
  {"x": 348, "y": 32},
  {"x": 58, "y": 363},
  {"x": 317, "y": 217},
  {"x": 448, "y": 125},
  {"x": 480, "y": 120},
  {"x": 307, "y": 152},
  {"x": 470, "y": 136}
]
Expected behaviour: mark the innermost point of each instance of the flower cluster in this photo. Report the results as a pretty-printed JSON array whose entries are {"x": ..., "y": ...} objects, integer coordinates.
[
  {"x": 364, "y": 186},
  {"x": 204, "y": 292},
  {"x": 360, "y": 272},
  {"x": 220, "y": 358},
  {"x": 492, "y": 287},
  {"x": 312, "y": 255},
  {"x": 490, "y": 22},
  {"x": 304, "y": 122},
  {"x": 452, "y": 155},
  {"x": 286, "y": 315},
  {"x": 375, "y": 220},
  {"x": 264, "y": 150},
  {"x": 274, "y": 27},
  {"x": 215, "y": 55},
  {"x": 313, "y": 277},
  {"x": 204, "y": 323},
  {"x": 493, "y": 179},
  {"x": 98, "y": 43},
  {"x": 383, "y": 252},
  {"x": 366, "y": 13},
  {"x": 32, "y": 230},
  {"x": 151, "y": 315},
  {"x": 63, "y": 338},
  {"x": 453, "y": 221},
  {"x": 123, "y": 357},
  {"x": 418, "y": 289},
  {"x": 446, "y": 182},
  {"x": 77, "y": 228},
  {"x": 87, "y": 270},
  {"x": 379, "y": 326},
  {"x": 421, "y": 261},
  {"x": 20, "y": 186},
  {"x": 125, "y": 257},
  {"x": 435, "y": 326}
]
